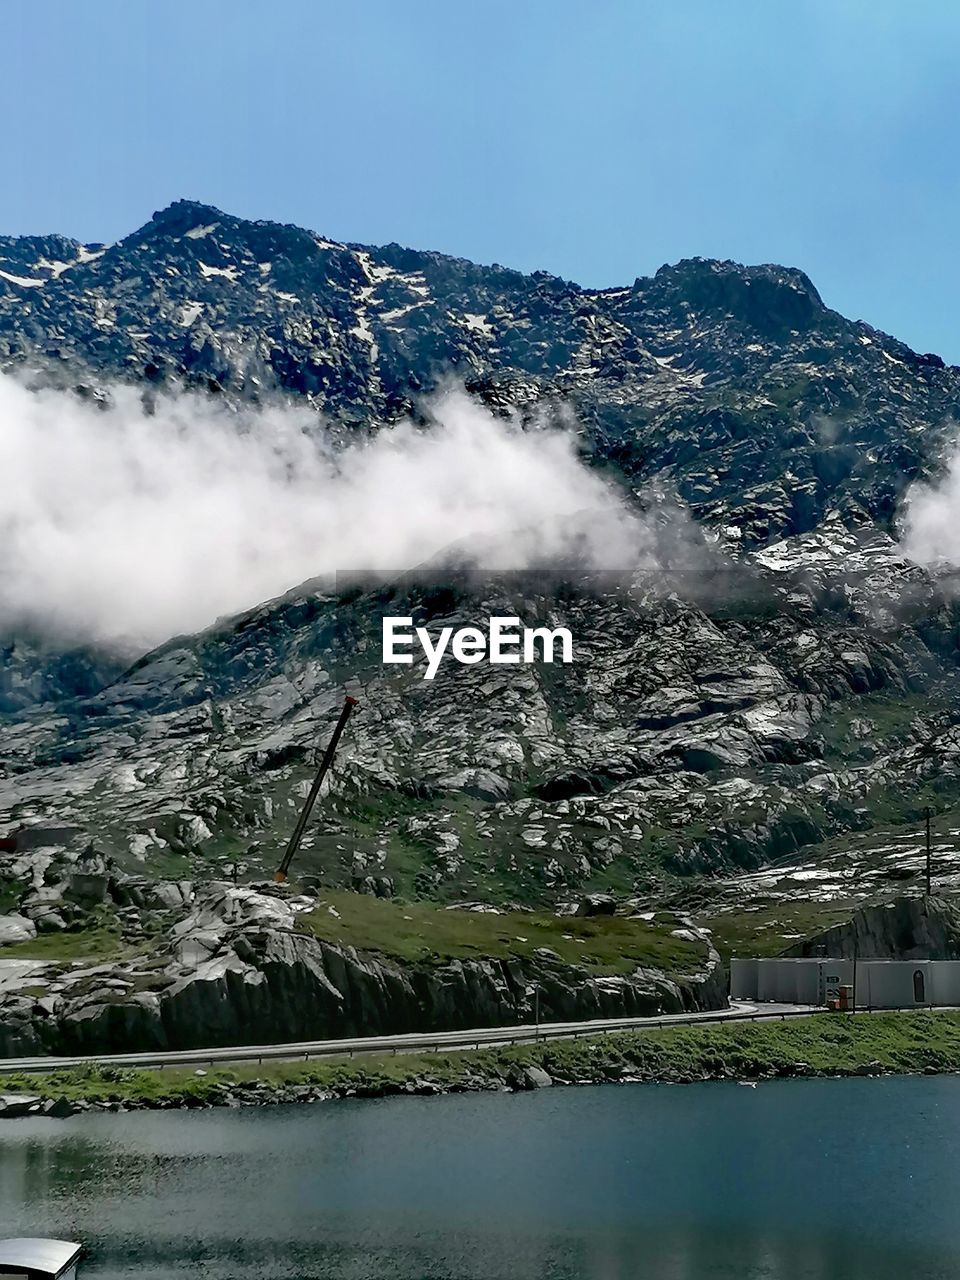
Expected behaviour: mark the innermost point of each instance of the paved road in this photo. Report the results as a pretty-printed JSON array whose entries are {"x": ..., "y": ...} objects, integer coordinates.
[{"x": 433, "y": 1041}]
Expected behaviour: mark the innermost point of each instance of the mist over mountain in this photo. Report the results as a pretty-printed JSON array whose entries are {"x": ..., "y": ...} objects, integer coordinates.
[
  {"x": 201, "y": 420},
  {"x": 762, "y": 407},
  {"x": 125, "y": 524}
]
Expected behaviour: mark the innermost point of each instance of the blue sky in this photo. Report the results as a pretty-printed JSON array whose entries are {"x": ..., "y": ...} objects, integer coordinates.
[{"x": 596, "y": 139}]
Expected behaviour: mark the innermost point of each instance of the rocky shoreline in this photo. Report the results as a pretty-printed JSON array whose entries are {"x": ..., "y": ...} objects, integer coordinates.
[{"x": 920, "y": 1043}]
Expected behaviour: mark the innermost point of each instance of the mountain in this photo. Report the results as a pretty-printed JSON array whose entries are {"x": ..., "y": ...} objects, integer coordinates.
[
  {"x": 763, "y": 408},
  {"x": 752, "y": 745}
]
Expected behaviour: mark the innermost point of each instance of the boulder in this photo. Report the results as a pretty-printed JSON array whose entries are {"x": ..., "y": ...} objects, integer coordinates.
[
  {"x": 87, "y": 887},
  {"x": 58, "y": 1108},
  {"x": 536, "y": 1078},
  {"x": 532, "y": 1077},
  {"x": 16, "y": 928},
  {"x": 17, "y": 1104},
  {"x": 50, "y": 921},
  {"x": 596, "y": 904},
  {"x": 169, "y": 894}
]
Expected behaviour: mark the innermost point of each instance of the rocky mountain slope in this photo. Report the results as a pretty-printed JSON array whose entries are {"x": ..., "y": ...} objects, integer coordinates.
[
  {"x": 764, "y": 408},
  {"x": 795, "y": 697}
]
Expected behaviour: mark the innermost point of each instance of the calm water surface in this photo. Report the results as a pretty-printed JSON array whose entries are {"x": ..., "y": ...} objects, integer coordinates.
[{"x": 799, "y": 1180}]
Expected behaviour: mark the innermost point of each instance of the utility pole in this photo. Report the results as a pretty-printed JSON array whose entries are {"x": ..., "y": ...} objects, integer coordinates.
[
  {"x": 533, "y": 989},
  {"x": 928, "y": 851},
  {"x": 294, "y": 842}
]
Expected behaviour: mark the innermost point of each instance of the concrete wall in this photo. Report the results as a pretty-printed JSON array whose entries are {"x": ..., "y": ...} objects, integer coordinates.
[
  {"x": 889, "y": 984},
  {"x": 945, "y": 976},
  {"x": 743, "y": 979},
  {"x": 880, "y": 984}
]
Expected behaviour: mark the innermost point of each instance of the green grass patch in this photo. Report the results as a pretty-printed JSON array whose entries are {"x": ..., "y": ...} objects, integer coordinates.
[
  {"x": 767, "y": 929},
  {"x": 100, "y": 944},
  {"x": 823, "y": 1044},
  {"x": 844, "y": 730},
  {"x": 786, "y": 395},
  {"x": 418, "y": 932}
]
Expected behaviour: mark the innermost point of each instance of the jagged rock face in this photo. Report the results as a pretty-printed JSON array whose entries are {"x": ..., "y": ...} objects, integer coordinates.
[
  {"x": 903, "y": 929},
  {"x": 685, "y": 738},
  {"x": 236, "y": 971},
  {"x": 34, "y": 672}
]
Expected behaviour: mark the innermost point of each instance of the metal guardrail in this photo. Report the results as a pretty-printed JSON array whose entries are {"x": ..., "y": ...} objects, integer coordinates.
[
  {"x": 413, "y": 1043},
  {"x": 451, "y": 1041}
]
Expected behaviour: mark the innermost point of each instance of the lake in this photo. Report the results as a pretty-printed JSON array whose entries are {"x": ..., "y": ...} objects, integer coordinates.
[{"x": 793, "y": 1180}]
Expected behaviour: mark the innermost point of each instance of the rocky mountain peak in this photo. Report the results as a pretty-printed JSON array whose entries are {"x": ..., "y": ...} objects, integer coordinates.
[
  {"x": 182, "y": 216},
  {"x": 771, "y": 300},
  {"x": 762, "y": 408}
]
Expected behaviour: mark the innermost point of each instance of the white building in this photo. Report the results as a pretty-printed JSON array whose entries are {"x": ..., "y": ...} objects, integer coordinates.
[{"x": 877, "y": 984}]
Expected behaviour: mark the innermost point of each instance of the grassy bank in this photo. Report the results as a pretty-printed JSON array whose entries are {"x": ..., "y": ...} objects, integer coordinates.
[
  {"x": 825, "y": 1044},
  {"x": 422, "y": 932},
  {"x": 425, "y": 933}
]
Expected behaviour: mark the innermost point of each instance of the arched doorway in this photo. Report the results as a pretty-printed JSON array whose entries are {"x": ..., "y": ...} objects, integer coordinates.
[{"x": 918, "y": 987}]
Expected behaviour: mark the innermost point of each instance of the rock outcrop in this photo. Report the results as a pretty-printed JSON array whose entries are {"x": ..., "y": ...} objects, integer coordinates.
[
  {"x": 917, "y": 928},
  {"x": 237, "y": 970}
]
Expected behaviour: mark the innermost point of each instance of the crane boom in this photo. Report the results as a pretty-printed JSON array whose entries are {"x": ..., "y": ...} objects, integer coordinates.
[{"x": 294, "y": 842}]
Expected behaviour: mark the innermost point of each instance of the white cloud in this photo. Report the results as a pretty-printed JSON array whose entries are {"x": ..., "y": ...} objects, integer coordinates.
[
  {"x": 930, "y": 518},
  {"x": 126, "y": 527}
]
